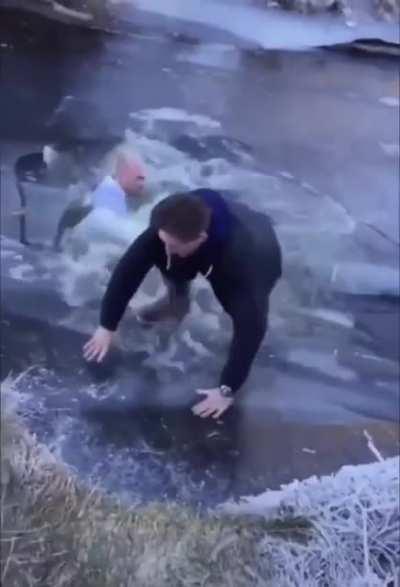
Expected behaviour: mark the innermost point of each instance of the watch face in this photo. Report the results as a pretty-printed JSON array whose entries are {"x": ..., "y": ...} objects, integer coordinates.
[{"x": 226, "y": 391}]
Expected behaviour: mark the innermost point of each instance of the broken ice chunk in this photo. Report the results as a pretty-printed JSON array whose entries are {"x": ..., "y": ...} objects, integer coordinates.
[{"x": 366, "y": 279}]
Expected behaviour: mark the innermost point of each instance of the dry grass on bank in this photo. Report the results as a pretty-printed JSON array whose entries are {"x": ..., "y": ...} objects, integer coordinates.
[{"x": 57, "y": 533}]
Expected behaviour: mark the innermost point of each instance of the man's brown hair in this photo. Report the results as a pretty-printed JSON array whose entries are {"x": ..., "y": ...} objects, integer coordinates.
[{"x": 182, "y": 215}]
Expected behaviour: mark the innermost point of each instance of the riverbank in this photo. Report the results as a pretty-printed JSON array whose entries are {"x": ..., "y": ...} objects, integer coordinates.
[{"x": 63, "y": 533}]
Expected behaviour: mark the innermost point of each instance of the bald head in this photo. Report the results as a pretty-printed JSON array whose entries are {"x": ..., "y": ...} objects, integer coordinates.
[{"x": 130, "y": 174}]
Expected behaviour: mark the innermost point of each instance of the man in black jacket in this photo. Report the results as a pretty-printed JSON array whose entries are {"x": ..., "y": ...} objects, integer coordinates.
[{"x": 234, "y": 247}]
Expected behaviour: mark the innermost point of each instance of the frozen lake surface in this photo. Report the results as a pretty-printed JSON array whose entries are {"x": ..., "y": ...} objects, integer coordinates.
[{"x": 309, "y": 137}]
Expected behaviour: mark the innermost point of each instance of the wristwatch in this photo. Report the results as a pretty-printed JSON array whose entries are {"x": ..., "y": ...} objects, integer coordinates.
[{"x": 226, "y": 391}]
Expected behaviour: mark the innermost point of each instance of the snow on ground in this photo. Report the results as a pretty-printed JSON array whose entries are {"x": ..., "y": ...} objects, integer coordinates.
[
  {"x": 356, "y": 518},
  {"x": 270, "y": 29}
]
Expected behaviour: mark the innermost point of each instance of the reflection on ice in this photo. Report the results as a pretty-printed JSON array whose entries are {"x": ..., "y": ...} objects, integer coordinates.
[{"x": 324, "y": 362}]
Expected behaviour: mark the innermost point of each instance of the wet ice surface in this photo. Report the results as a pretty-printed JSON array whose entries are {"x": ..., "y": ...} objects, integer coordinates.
[
  {"x": 323, "y": 373},
  {"x": 126, "y": 424},
  {"x": 128, "y": 428}
]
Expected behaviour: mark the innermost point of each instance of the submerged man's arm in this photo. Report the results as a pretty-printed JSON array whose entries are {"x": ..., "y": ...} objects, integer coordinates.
[{"x": 73, "y": 215}]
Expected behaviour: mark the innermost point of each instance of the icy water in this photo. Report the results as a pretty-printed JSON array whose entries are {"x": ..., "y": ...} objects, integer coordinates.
[{"x": 308, "y": 137}]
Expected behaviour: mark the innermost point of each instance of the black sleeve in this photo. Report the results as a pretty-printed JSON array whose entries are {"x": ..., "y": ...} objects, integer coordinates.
[
  {"x": 73, "y": 215},
  {"x": 127, "y": 277},
  {"x": 249, "y": 327}
]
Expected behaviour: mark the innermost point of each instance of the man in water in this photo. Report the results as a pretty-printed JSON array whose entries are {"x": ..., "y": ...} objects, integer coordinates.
[
  {"x": 234, "y": 247},
  {"x": 120, "y": 192}
]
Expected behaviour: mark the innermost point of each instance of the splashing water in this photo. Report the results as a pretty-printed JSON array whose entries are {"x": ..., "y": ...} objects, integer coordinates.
[
  {"x": 302, "y": 215},
  {"x": 308, "y": 224},
  {"x": 315, "y": 233}
]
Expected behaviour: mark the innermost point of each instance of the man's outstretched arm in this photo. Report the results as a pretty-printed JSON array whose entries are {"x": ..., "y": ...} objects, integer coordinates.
[
  {"x": 126, "y": 279},
  {"x": 249, "y": 328}
]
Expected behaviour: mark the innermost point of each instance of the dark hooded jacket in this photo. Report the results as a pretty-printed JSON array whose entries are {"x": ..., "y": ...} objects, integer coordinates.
[{"x": 241, "y": 259}]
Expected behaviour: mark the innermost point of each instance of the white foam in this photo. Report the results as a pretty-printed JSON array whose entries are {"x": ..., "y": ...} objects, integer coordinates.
[
  {"x": 8, "y": 243},
  {"x": 100, "y": 391},
  {"x": 166, "y": 358},
  {"x": 104, "y": 225},
  {"x": 331, "y": 316},
  {"x": 7, "y": 254},
  {"x": 391, "y": 149},
  {"x": 307, "y": 223},
  {"x": 196, "y": 346},
  {"x": 391, "y": 101},
  {"x": 22, "y": 272},
  {"x": 208, "y": 321},
  {"x": 175, "y": 114}
]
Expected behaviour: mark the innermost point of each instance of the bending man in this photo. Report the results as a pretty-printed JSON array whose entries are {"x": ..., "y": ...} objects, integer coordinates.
[{"x": 235, "y": 248}]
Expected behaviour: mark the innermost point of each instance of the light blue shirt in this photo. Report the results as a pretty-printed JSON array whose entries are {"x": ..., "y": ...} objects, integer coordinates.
[{"x": 110, "y": 195}]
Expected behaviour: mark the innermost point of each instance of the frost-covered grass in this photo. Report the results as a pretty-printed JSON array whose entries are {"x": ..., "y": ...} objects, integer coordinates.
[
  {"x": 356, "y": 528},
  {"x": 56, "y": 532},
  {"x": 309, "y": 6},
  {"x": 340, "y": 530},
  {"x": 384, "y": 8}
]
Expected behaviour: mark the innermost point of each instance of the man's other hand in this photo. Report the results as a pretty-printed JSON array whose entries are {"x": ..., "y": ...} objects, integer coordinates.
[
  {"x": 98, "y": 346},
  {"x": 213, "y": 405}
]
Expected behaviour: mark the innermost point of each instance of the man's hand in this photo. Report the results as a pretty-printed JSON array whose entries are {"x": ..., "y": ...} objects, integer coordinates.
[
  {"x": 98, "y": 346},
  {"x": 214, "y": 405}
]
